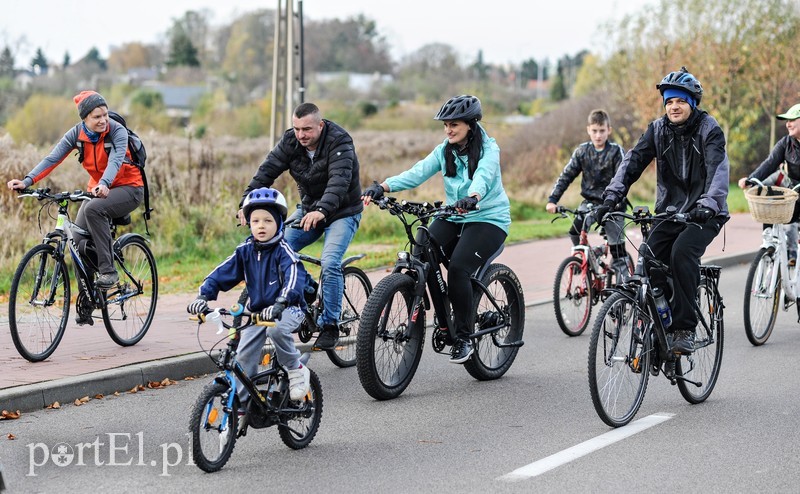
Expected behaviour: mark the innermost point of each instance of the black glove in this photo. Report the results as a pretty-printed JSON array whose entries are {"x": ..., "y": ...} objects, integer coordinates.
[
  {"x": 466, "y": 203},
  {"x": 274, "y": 311},
  {"x": 374, "y": 191},
  {"x": 602, "y": 210},
  {"x": 199, "y": 306},
  {"x": 700, "y": 215}
]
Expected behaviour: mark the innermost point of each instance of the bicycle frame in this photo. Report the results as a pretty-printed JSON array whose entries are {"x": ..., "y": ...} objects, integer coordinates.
[
  {"x": 776, "y": 241},
  {"x": 424, "y": 264}
]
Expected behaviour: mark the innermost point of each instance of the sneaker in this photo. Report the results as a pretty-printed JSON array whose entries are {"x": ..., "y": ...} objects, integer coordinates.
[
  {"x": 328, "y": 337},
  {"x": 299, "y": 383},
  {"x": 683, "y": 342},
  {"x": 107, "y": 280},
  {"x": 461, "y": 351},
  {"x": 83, "y": 319}
]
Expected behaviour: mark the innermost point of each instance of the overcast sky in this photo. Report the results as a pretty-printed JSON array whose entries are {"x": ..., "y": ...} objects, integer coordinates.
[{"x": 506, "y": 31}]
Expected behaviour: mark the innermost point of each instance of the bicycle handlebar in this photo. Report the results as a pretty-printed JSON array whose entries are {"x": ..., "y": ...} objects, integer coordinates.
[
  {"x": 642, "y": 214},
  {"x": 753, "y": 182},
  {"x": 215, "y": 315},
  {"x": 419, "y": 209},
  {"x": 44, "y": 194}
]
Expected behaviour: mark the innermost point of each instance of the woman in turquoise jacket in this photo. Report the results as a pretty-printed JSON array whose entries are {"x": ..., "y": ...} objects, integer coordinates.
[{"x": 469, "y": 160}]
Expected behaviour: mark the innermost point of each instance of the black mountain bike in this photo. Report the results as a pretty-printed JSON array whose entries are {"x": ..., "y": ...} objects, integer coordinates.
[
  {"x": 218, "y": 420},
  {"x": 392, "y": 330},
  {"x": 629, "y": 341},
  {"x": 39, "y": 302}
]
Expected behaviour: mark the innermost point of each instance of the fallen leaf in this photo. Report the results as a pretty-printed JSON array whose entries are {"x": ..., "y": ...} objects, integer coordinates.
[
  {"x": 153, "y": 384},
  {"x": 85, "y": 358},
  {"x": 141, "y": 388},
  {"x": 54, "y": 405},
  {"x": 135, "y": 389},
  {"x": 77, "y": 403},
  {"x": 188, "y": 378},
  {"x": 6, "y": 415},
  {"x": 85, "y": 399},
  {"x": 168, "y": 382},
  {"x": 11, "y": 437},
  {"x": 98, "y": 397}
]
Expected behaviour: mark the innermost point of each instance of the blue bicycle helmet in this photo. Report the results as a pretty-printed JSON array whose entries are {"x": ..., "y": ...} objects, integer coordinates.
[
  {"x": 464, "y": 107},
  {"x": 684, "y": 81},
  {"x": 264, "y": 197}
]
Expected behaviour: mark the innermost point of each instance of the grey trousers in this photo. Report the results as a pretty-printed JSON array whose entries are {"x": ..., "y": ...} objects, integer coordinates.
[
  {"x": 254, "y": 337},
  {"x": 94, "y": 216}
]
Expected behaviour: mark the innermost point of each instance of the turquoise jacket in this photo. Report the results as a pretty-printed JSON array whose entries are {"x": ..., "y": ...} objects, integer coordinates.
[{"x": 487, "y": 182}]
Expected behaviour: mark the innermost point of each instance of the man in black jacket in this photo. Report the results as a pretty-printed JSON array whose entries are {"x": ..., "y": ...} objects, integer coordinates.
[
  {"x": 321, "y": 158},
  {"x": 692, "y": 174}
]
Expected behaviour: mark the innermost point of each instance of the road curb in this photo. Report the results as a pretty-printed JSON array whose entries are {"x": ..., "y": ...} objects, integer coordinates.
[{"x": 32, "y": 397}]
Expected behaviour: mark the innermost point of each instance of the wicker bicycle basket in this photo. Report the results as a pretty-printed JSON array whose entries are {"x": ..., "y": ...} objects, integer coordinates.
[{"x": 776, "y": 208}]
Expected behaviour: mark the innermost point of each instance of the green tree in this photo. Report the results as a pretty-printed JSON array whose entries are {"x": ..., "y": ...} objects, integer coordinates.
[
  {"x": 94, "y": 57},
  {"x": 182, "y": 51},
  {"x": 66, "y": 61},
  {"x": 351, "y": 45},
  {"x": 6, "y": 63},
  {"x": 39, "y": 62}
]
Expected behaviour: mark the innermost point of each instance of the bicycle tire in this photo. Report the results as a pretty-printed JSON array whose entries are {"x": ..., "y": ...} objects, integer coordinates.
[
  {"x": 127, "y": 318},
  {"x": 37, "y": 327},
  {"x": 619, "y": 359},
  {"x": 213, "y": 430},
  {"x": 387, "y": 362},
  {"x": 490, "y": 361},
  {"x": 761, "y": 301},
  {"x": 703, "y": 365},
  {"x": 357, "y": 288},
  {"x": 573, "y": 296},
  {"x": 298, "y": 428}
]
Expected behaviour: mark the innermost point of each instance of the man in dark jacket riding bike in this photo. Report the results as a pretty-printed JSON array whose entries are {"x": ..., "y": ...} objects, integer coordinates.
[
  {"x": 320, "y": 156},
  {"x": 692, "y": 175}
]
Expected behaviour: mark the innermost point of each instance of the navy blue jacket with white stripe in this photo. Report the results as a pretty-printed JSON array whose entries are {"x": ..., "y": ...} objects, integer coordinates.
[{"x": 270, "y": 270}]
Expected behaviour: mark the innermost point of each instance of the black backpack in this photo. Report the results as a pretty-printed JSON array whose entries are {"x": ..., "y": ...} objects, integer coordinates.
[{"x": 138, "y": 156}]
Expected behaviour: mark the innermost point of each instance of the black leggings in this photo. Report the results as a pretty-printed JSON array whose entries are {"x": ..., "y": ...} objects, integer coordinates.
[{"x": 468, "y": 245}]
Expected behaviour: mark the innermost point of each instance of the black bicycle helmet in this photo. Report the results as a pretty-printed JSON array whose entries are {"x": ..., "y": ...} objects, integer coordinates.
[
  {"x": 682, "y": 80},
  {"x": 464, "y": 107},
  {"x": 264, "y": 197}
]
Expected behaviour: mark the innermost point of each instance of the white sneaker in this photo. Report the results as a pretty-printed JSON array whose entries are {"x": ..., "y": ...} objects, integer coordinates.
[{"x": 299, "y": 383}]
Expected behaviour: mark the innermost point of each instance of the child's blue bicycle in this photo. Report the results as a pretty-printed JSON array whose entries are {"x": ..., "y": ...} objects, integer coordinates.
[{"x": 217, "y": 417}]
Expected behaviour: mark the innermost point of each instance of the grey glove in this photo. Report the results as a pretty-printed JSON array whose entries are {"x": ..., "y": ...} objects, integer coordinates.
[
  {"x": 199, "y": 306},
  {"x": 274, "y": 311}
]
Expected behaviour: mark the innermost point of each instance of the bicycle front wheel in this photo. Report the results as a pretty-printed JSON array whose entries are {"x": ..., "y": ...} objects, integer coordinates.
[
  {"x": 213, "y": 427},
  {"x": 762, "y": 297},
  {"x": 38, "y": 308},
  {"x": 390, "y": 338},
  {"x": 619, "y": 360},
  {"x": 357, "y": 288},
  {"x": 491, "y": 358},
  {"x": 131, "y": 304},
  {"x": 702, "y": 366},
  {"x": 298, "y": 427},
  {"x": 572, "y": 296}
]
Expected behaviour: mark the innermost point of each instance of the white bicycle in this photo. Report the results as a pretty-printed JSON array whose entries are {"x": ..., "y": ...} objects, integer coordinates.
[{"x": 771, "y": 281}]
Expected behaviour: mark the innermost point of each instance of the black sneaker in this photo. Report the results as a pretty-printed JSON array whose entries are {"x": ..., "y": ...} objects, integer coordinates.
[
  {"x": 83, "y": 319},
  {"x": 461, "y": 351},
  {"x": 107, "y": 280},
  {"x": 328, "y": 337},
  {"x": 683, "y": 342}
]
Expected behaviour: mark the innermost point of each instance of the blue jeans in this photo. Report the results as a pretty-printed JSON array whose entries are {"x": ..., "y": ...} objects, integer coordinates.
[{"x": 338, "y": 236}]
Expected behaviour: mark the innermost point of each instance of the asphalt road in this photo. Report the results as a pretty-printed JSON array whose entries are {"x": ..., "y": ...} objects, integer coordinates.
[{"x": 450, "y": 433}]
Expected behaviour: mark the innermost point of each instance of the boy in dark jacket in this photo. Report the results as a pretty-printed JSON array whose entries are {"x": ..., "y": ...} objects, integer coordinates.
[{"x": 275, "y": 280}]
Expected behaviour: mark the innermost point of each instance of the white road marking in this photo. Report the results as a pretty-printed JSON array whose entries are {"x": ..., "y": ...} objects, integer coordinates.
[{"x": 584, "y": 448}]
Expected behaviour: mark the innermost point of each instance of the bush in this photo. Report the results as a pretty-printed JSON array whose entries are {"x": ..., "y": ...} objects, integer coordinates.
[{"x": 27, "y": 125}]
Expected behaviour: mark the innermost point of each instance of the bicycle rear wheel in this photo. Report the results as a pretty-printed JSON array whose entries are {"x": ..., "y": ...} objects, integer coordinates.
[
  {"x": 703, "y": 365},
  {"x": 298, "y": 428},
  {"x": 761, "y": 297},
  {"x": 212, "y": 428},
  {"x": 619, "y": 360},
  {"x": 357, "y": 288},
  {"x": 38, "y": 308},
  {"x": 490, "y": 360},
  {"x": 572, "y": 296},
  {"x": 387, "y": 349},
  {"x": 131, "y": 304}
]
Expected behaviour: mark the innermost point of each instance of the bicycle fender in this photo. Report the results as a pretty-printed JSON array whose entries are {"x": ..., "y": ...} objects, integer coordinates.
[
  {"x": 351, "y": 259},
  {"x": 124, "y": 238}
]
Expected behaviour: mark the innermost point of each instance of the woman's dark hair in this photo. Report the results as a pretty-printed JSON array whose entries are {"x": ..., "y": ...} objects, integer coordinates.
[{"x": 473, "y": 150}]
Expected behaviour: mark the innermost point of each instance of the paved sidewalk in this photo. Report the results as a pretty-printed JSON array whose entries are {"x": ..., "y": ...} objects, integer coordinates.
[{"x": 87, "y": 362}]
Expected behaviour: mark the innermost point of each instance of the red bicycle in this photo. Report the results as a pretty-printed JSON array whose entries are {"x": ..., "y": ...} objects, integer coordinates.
[{"x": 582, "y": 277}]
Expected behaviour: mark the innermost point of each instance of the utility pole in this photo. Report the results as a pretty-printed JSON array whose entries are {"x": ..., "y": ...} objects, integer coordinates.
[{"x": 285, "y": 53}]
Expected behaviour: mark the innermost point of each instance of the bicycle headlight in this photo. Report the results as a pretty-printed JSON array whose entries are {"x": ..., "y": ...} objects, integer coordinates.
[{"x": 402, "y": 256}]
